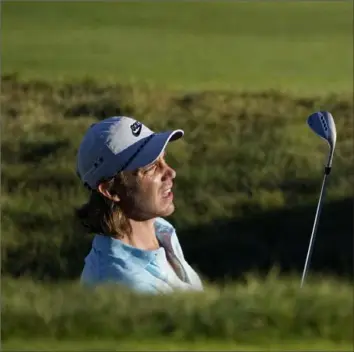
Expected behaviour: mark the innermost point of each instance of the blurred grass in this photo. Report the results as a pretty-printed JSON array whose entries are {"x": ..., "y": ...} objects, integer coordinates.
[
  {"x": 242, "y": 154},
  {"x": 164, "y": 344},
  {"x": 302, "y": 47},
  {"x": 256, "y": 312}
]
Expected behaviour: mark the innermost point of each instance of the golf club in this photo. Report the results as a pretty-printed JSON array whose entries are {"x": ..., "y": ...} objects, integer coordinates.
[{"x": 322, "y": 124}]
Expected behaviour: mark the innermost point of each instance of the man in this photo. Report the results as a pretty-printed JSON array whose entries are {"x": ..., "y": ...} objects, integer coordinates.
[{"x": 122, "y": 163}]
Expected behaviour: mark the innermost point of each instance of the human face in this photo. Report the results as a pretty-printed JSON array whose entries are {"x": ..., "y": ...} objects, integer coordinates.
[{"x": 151, "y": 196}]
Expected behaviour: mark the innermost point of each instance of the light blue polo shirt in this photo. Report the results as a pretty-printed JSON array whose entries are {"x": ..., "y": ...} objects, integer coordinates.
[{"x": 111, "y": 260}]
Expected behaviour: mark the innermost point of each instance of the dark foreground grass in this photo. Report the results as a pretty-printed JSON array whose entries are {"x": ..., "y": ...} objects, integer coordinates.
[
  {"x": 167, "y": 344},
  {"x": 293, "y": 46},
  {"x": 268, "y": 312},
  {"x": 243, "y": 155}
]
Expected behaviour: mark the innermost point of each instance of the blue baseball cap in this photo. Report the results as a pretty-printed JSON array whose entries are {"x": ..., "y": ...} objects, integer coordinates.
[{"x": 116, "y": 144}]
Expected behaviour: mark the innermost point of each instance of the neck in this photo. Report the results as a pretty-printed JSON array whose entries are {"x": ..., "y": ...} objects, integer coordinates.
[{"x": 143, "y": 235}]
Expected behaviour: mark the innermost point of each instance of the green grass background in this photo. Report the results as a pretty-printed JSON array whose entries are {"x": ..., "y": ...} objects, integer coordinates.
[
  {"x": 242, "y": 153},
  {"x": 300, "y": 47}
]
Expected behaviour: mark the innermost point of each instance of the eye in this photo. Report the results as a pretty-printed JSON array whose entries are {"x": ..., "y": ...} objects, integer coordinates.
[{"x": 150, "y": 168}]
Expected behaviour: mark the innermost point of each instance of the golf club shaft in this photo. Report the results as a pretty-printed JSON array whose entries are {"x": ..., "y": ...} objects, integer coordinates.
[{"x": 314, "y": 229}]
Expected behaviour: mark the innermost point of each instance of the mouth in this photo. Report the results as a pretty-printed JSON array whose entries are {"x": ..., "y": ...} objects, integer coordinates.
[{"x": 167, "y": 193}]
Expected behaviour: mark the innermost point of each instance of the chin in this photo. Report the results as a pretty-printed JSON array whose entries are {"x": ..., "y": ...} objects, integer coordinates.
[{"x": 168, "y": 211}]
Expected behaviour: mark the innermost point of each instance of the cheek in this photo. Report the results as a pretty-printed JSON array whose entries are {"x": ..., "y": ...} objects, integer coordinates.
[
  {"x": 153, "y": 190},
  {"x": 149, "y": 188}
]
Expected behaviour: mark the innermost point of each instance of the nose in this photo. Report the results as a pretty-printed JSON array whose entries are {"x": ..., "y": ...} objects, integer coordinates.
[
  {"x": 173, "y": 172},
  {"x": 169, "y": 172}
]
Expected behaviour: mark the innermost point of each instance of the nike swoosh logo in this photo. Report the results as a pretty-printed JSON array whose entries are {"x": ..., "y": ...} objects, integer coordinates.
[{"x": 136, "y": 129}]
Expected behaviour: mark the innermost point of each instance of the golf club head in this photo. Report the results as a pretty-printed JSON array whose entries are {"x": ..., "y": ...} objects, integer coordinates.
[{"x": 322, "y": 124}]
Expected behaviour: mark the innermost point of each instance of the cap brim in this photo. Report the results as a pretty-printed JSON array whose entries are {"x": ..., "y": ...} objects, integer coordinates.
[{"x": 153, "y": 148}]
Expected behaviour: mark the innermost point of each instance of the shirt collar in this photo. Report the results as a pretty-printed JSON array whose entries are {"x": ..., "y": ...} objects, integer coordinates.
[{"x": 116, "y": 248}]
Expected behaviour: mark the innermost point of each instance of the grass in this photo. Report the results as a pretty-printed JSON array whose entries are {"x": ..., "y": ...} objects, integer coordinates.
[
  {"x": 164, "y": 344},
  {"x": 248, "y": 168},
  {"x": 272, "y": 312},
  {"x": 242, "y": 155},
  {"x": 297, "y": 47}
]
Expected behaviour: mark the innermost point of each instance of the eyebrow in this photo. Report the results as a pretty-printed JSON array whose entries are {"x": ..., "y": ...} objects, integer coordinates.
[{"x": 149, "y": 165}]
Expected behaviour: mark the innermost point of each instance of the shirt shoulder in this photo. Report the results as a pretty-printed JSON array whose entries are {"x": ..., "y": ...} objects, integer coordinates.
[{"x": 115, "y": 270}]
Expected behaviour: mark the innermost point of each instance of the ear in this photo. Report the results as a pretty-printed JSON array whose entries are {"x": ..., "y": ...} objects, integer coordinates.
[{"x": 103, "y": 189}]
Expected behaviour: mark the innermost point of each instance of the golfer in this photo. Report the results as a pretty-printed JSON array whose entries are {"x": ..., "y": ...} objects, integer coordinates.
[{"x": 122, "y": 163}]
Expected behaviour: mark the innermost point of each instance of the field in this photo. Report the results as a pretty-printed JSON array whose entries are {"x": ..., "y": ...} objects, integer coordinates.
[
  {"x": 240, "y": 79},
  {"x": 301, "y": 47}
]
